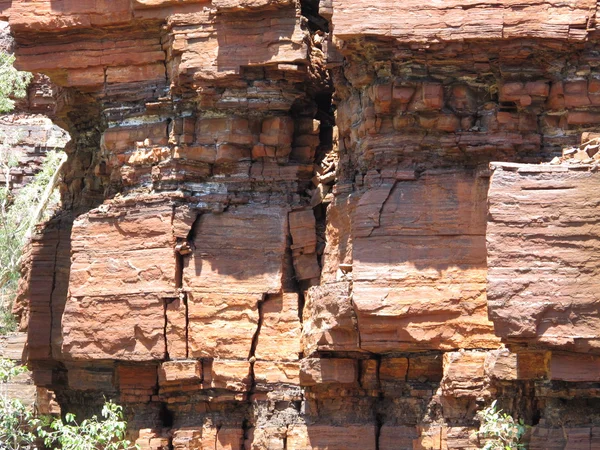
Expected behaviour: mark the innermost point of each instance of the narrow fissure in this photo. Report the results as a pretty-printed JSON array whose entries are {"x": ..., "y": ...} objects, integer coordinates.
[
  {"x": 217, "y": 436},
  {"x": 51, "y": 299},
  {"x": 355, "y": 320},
  {"x": 184, "y": 299},
  {"x": 301, "y": 303},
  {"x": 251, "y": 356},
  {"x": 179, "y": 262},
  {"x": 166, "y": 303},
  {"x": 377, "y": 369},
  {"x": 166, "y": 420},
  {"x": 246, "y": 427},
  {"x": 310, "y": 10},
  {"x": 193, "y": 233},
  {"x": 378, "y": 427}
]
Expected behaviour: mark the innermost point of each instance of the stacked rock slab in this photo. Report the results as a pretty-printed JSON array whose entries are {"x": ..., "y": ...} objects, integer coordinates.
[{"x": 241, "y": 267}]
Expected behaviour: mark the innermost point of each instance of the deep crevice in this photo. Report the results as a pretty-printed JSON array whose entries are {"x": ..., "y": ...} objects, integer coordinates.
[
  {"x": 166, "y": 303},
  {"x": 246, "y": 427},
  {"x": 184, "y": 299},
  {"x": 53, "y": 289},
  {"x": 378, "y": 427},
  {"x": 310, "y": 10},
  {"x": 193, "y": 233},
  {"x": 165, "y": 416},
  {"x": 251, "y": 355}
]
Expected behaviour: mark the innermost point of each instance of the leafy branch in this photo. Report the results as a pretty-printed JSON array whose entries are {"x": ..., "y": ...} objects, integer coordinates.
[{"x": 500, "y": 430}]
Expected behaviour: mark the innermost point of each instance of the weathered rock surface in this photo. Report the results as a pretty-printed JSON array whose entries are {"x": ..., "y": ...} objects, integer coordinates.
[
  {"x": 542, "y": 250},
  {"x": 246, "y": 265}
]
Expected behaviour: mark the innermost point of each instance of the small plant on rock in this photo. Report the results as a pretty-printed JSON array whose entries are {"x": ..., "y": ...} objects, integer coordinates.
[
  {"x": 107, "y": 433},
  {"x": 17, "y": 422},
  {"x": 13, "y": 83},
  {"x": 500, "y": 430}
]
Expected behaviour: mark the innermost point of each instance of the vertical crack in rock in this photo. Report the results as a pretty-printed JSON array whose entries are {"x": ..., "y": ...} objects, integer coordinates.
[
  {"x": 184, "y": 299},
  {"x": 53, "y": 289},
  {"x": 377, "y": 369},
  {"x": 360, "y": 371},
  {"x": 246, "y": 427},
  {"x": 167, "y": 421},
  {"x": 179, "y": 262},
  {"x": 167, "y": 302},
  {"x": 382, "y": 206},
  {"x": 310, "y": 10},
  {"x": 193, "y": 233},
  {"x": 218, "y": 429},
  {"x": 165, "y": 63},
  {"x": 254, "y": 344},
  {"x": 184, "y": 249},
  {"x": 301, "y": 303},
  {"x": 355, "y": 318},
  {"x": 378, "y": 426}
]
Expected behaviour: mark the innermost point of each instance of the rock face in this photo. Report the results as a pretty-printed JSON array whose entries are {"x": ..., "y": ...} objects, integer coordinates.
[
  {"x": 542, "y": 252},
  {"x": 26, "y": 133},
  {"x": 279, "y": 229}
]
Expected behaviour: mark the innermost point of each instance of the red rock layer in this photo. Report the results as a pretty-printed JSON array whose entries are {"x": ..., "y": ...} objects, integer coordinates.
[
  {"x": 243, "y": 267},
  {"x": 26, "y": 134}
]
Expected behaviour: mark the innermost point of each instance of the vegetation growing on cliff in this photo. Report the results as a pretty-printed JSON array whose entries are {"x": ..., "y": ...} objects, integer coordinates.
[
  {"x": 19, "y": 212},
  {"x": 500, "y": 430},
  {"x": 17, "y": 423},
  {"x": 13, "y": 83},
  {"x": 20, "y": 429}
]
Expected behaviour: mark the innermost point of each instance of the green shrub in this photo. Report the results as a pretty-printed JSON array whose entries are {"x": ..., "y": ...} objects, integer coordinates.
[
  {"x": 499, "y": 430},
  {"x": 20, "y": 429},
  {"x": 17, "y": 422},
  {"x": 13, "y": 83},
  {"x": 19, "y": 214},
  {"x": 91, "y": 434}
]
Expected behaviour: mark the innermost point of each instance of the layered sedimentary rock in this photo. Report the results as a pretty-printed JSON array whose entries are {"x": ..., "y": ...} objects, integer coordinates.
[
  {"x": 26, "y": 133},
  {"x": 244, "y": 264}
]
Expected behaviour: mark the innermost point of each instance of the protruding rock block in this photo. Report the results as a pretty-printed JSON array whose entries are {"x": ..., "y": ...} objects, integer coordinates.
[
  {"x": 419, "y": 268},
  {"x": 279, "y": 336},
  {"x": 464, "y": 375},
  {"x": 230, "y": 375},
  {"x": 316, "y": 371},
  {"x": 542, "y": 249},
  {"x": 224, "y": 288},
  {"x": 174, "y": 372},
  {"x": 274, "y": 372},
  {"x": 329, "y": 320}
]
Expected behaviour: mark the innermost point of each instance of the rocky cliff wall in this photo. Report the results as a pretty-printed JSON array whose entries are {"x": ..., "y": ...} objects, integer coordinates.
[
  {"x": 26, "y": 133},
  {"x": 279, "y": 230}
]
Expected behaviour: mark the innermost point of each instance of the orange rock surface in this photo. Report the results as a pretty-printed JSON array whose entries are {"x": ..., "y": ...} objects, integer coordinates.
[{"x": 281, "y": 228}]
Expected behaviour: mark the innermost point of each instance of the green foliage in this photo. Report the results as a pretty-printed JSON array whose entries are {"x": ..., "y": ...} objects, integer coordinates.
[
  {"x": 9, "y": 370},
  {"x": 17, "y": 425},
  {"x": 20, "y": 429},
  {"x": 12, "y": 82},
  {"x": 91, "y": 434},
  {"x": 17, "y": 422},
  {"x": 18, "y": 216},
  {"x": 500, "y": 430}
]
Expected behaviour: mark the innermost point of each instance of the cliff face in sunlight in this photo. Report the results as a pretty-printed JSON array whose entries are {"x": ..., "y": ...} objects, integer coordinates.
[{"x": 281, "y": 228}]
